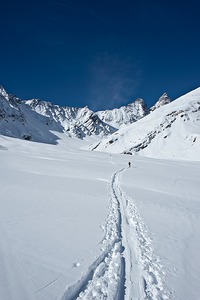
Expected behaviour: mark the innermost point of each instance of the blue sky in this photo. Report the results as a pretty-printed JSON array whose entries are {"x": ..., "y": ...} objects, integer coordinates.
[{"x": 103, "y": 54}]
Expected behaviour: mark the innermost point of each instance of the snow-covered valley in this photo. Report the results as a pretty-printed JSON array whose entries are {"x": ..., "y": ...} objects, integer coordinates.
[{"x": 79, "y": 224}]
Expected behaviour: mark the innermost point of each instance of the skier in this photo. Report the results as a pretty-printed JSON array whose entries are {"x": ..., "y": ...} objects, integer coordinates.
[{"x": 129, "y": 164}]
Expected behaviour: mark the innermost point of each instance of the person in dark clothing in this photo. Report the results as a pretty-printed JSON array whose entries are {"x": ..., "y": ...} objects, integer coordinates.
[{"x": 129, "y": 164}]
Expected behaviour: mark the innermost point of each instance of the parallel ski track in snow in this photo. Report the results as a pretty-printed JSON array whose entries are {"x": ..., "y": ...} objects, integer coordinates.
[{"x": 127, "y": 268}]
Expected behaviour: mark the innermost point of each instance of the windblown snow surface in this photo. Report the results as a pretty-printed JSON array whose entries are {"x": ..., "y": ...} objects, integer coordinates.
[{"x": 78, "y": 224}]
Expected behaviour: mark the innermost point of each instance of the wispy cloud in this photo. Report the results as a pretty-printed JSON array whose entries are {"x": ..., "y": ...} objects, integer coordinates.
[{"x": 113, "y": 80}]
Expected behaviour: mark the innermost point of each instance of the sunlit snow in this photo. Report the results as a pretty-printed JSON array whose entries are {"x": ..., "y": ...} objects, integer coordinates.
[
  {"x": 78, "y": 224},
  {"x": 171, "y": 131}
]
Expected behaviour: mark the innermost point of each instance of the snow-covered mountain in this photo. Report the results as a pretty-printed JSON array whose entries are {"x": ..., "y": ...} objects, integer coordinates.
[
  {"x": 163, "y": 100},
  {"x": 82, "y": 122},
  {"x": 172, "y": 131},
  {"x": 124, "y": 115},
  {"x": 78, "y": 122},
  {"x": 18, "y": 120},
  {"x": 131, "y": 113},
  {"x": 35, "y": 120}
]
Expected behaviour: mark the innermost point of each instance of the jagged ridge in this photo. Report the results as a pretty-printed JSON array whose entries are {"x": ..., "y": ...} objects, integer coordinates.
[
  {"x": 35, "y": 119},
  {"x": 78, "y": 122}
]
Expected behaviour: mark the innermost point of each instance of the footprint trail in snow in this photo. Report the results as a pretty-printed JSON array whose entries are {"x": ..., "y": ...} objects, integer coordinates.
[{"x": 127, "y": 268}]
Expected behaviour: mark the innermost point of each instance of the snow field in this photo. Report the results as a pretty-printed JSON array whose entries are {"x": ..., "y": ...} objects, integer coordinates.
[
  {"x": 76, "y": 224},
  {"x": 128, "y": 268}
]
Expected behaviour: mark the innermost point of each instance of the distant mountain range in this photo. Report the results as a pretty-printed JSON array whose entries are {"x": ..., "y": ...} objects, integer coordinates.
[
  {"x": 165, "y": 130},
  {"x": 35, "y": 119}
]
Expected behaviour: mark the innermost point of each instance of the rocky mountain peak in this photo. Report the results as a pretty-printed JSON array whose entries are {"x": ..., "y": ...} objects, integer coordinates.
[
  {"x": 141, "y": 106},
  {"x": 163, "y": 100},
  {"x": 4, "y": 93}
]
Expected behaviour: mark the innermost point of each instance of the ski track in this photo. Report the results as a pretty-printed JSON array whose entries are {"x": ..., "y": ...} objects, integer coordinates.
[{"x": 127, "y": 268}]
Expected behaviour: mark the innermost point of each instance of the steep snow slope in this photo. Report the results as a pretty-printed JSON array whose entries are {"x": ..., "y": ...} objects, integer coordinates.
[
  {"x": 81, "y": 225},
  {"x": 172, "y": 131},
  {"x": 19, "y": 121}
]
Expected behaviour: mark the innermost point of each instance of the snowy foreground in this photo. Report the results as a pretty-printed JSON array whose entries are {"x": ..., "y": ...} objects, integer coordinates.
[{"x": 76, "y": 224}]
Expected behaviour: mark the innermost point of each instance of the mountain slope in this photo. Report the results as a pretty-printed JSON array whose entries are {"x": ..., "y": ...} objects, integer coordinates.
[
  {"x": 35, "y": 120},
  {"x": 124, "y": 115},
  {"x": 79, "y": 122},
  {"x": 131, "y": 113},
  {"x": 19, "y": 121},
  {"x": 172, "y": 131}
]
